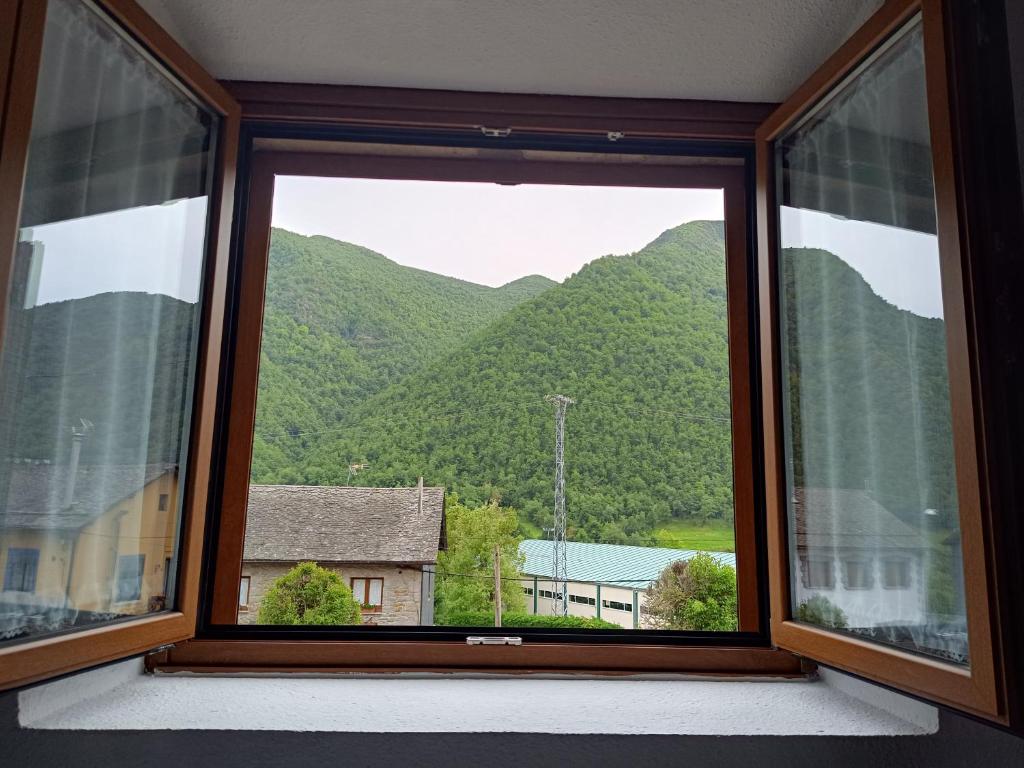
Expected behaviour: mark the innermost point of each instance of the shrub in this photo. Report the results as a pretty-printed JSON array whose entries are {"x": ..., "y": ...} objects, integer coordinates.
[
  {"x": 697, "y": 595},
  {"x": 525, "y": 620},
  {"x": 309, "y": 594},
  {"x": 822, "y": 612}
]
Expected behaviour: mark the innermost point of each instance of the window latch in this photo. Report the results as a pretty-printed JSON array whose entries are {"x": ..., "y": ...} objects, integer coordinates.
[
  {"x": 492, "y": 640},
  {"x": 495, "y": 133}
]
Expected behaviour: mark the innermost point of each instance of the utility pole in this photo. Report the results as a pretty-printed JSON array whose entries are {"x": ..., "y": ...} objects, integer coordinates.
[
  {"x": 560, "y": 572},
  {"x": 497, "y": 585}
]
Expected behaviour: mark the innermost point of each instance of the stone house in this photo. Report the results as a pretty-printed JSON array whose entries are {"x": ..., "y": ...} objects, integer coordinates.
[{"x": 383, "y": 542}]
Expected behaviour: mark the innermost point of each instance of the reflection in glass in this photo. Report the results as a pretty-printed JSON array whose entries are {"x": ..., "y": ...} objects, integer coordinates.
[
  {"x": 874, "y": 531},
  {"x": 99, "y": 334}
]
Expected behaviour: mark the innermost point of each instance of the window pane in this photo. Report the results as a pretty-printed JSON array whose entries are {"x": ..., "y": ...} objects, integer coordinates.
[
  {"x": 243, "y": 591},
  {"x": 414, "y": 335},
  {"x": 376, "y": 591},
  {"x": 868, "y": 426},
  {"x": 100, "y": 333}
]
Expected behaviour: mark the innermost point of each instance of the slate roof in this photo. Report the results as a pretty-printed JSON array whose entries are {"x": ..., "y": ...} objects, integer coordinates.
[
  {"x": 289, "y": 523},
  {"x": 848, "y": 518},
  {"x": 614, "y": 564},
  {"x": 35, "y": 494}
]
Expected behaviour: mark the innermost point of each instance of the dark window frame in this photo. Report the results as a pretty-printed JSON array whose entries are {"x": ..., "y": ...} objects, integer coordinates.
[{"x": 22, "y": 552}]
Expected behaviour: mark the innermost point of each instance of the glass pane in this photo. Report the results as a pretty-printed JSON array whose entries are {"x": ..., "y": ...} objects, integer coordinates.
[
  {"x": 414, "y": 335},
  {"x": 376, "y": 591},
  {"x": 100, "y": 334},
  {"x": 868, "y": 435}
]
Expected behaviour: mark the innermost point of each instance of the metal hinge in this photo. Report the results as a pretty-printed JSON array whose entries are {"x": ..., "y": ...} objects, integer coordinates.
[
  {"x": 495, "y": 133},
  {"x": 160, "y": 649},
  {"x": 491, "y": 640}
]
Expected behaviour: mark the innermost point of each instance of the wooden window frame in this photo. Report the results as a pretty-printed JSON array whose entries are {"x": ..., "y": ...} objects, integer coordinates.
[
  {"x": 979, "y": 689},
  {"x": 379, "y": 608},
  {"x": 21, "y": 32},
  {"x": 280, "y": 119}
]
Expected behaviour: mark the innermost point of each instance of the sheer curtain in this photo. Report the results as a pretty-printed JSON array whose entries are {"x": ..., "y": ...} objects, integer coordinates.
[
  {"x": 99, "y": 340},
  {"x": 869, "y": 441}
]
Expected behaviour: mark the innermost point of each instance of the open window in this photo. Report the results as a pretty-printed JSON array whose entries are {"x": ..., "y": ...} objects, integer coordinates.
[
  {"x": 116, "y": 177},
  {"x": 877, "y": 518}
]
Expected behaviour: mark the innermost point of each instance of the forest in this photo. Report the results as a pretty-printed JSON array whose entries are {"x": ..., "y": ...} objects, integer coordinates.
[{"x": 373, "y": 373}]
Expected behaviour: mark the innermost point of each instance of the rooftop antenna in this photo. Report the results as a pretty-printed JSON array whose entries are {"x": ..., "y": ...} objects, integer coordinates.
[{"x": 560, "y": 571}]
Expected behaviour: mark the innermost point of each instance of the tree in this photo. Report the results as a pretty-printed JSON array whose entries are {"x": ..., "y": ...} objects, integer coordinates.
[
  {"x": 309, "y": 594},
  {"x": 465, "y": 573},
  {"x": 699, "y": 594}
]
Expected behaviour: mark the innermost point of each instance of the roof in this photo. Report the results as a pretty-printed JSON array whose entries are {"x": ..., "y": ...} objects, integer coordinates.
[
  {"x": 289, "y": 523},
  {"x": 616, "y": 564},
  {"x": 843, "y": 517},
  {"x": 35, "y": 494}
]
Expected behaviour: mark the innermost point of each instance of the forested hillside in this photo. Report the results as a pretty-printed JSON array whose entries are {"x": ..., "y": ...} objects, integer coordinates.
[
  {"x": 341, "y": 323},
  {"x": 639, "y": 341}
]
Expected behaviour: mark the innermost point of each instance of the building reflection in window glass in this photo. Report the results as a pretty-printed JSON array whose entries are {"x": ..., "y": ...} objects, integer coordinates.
[{"x": 872, "y": 481}]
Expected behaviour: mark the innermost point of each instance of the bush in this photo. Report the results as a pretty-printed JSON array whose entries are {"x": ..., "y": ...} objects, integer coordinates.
[
  {"x": 309, "y": 594},
  {"x": 524, "y": 620},
  {"x": 698, "y": 594},
  {"x": 822, "y": 612}
]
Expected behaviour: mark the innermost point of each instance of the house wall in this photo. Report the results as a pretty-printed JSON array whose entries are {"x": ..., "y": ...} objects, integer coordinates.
[
  {"x": 876, "y": 605},
  {"x": 548, "y": 607},
  {"x": 133, "y": 526},
  {"x": 401, "y": 589}
]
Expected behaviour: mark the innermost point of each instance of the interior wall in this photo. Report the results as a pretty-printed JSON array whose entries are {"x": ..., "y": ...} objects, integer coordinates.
[{"x": 959, "y": 742}]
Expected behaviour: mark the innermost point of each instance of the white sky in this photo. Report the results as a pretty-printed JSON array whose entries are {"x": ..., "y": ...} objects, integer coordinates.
[
  {"x": 487, "y": 233},
  {"x": 900, "y": 265}
]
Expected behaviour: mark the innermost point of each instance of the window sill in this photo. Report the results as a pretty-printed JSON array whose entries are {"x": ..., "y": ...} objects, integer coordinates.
[{"x": 120, "y": 697}]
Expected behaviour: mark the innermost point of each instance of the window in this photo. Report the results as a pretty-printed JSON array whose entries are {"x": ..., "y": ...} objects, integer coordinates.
[
  {"x": 243, "y": 593},
  {"x": 582, "y": 600},
  {"x": 101, "y": 326},
  {"x": 857, "y": 574},
  {"x": 162, "y": 502},
  {"x": 819, "y": 573},
  {"x": 550, "y": 595},
  {"x": 369, "y": 593},
  {"x": 869, "y": 435},
  {"x": 20, "y": 570},
  {"x": 129, "y": 578},
  {"x": 896, "y": 573},
  {"x": 527, "y": 590},
  {"x": 872, "y": 370},
  {"x": 615, "y": 605}
]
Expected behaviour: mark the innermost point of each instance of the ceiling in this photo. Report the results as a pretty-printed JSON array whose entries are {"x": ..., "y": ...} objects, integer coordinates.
[{"x": 737, "y": 50}]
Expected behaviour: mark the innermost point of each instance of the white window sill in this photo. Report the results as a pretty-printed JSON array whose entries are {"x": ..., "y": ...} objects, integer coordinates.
[{"x": 119, "y": 697}]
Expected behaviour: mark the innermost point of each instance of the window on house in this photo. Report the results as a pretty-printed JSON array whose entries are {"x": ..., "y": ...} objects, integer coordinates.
[
  {"x": 527, "y": 590},
  {"x": 369, "y": 593},
  {"x": 21, "y": 569},
  {"x": 162, "y": 502},
  {"x": 582, "y": 600},
  {"x": 243, "y": 592},
  {"x": 128, "y": 585},
  {"x": 869, "y": 429},
  {"x": 819, "y": 573},
  {"x": 857, "y": 574},
  {"x": 896, "y": 573},
  {"x": 101, "y": 321}
]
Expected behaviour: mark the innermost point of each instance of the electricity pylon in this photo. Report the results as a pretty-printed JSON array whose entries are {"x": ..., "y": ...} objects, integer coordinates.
[{"x": 560, "y": 572}]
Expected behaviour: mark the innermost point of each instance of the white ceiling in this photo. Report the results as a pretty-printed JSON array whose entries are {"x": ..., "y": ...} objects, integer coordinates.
[{"x": 740, "y": 50}]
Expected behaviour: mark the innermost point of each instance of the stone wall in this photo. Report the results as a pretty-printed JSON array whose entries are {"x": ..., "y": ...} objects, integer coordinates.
[{"x": 401, "y": 596}]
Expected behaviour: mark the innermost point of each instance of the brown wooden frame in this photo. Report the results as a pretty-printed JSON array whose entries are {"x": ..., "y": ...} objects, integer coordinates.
[
  {"x": 366, "y": 591},
  {"x": 979, "y": 689},
  {"x": 49, "y": 656}
]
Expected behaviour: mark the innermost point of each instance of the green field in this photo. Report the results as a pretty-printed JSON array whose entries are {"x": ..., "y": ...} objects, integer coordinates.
[{"x": 685, "y": 534}]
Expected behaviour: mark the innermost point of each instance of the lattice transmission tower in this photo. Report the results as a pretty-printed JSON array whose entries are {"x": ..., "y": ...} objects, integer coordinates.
[{"x": 560, "y": 571}]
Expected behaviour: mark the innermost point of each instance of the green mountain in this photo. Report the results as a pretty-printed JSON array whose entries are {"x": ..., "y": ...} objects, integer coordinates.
[
  {"x": 341, "y": 323},
  {"x": 114, "y": 359},
  {"x": 639, "y": 341},
  {"x": 869, "y": 389}
]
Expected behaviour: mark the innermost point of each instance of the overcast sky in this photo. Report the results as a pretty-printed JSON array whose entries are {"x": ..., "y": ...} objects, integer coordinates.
[
  {"x": 484, "y": 233},
  {"x": 487, "y": 233}
]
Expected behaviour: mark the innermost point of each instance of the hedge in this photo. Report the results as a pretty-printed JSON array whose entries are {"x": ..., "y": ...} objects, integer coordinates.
[{"x": 526, "y": 620}]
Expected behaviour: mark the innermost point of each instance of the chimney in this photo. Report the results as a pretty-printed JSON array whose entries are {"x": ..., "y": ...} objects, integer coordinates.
[
  {"x": 419, "y": 503},
  {"x": 78, "y": 435}
]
